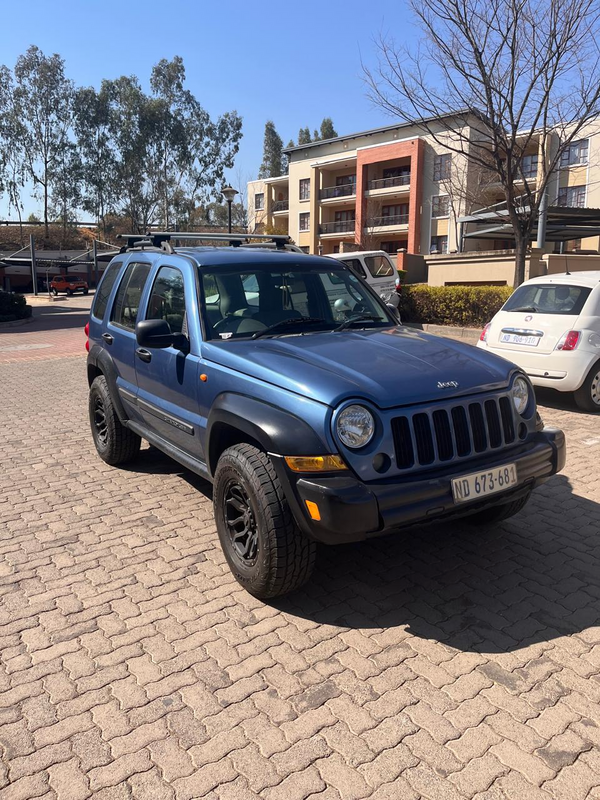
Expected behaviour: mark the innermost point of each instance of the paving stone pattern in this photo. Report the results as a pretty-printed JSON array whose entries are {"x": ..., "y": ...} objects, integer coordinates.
[{"x": 441, "y": 663}]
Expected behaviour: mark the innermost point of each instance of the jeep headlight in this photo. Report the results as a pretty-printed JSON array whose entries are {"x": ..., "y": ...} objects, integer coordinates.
[
  {"x": 520, "y": 394},
  {"x": 355, "y": 426}
]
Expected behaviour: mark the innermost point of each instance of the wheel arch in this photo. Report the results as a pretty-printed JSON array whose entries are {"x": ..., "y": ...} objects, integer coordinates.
[{"x": 100, "y": 363}]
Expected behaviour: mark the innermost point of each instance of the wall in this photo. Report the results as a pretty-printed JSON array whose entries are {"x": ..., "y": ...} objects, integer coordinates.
[{"x": 557, "y": 264}]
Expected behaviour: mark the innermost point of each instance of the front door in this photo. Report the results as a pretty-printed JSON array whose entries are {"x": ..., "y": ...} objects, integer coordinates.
[{"x": 167, "y": 378}]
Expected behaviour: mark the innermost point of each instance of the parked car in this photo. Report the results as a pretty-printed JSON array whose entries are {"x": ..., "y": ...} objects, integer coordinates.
[
  {"x": 69, "y": 284},
  {"x": 550, "y": 327},
  {"x": 375, "y": 267},
  {"x": 316, "y": 417}
]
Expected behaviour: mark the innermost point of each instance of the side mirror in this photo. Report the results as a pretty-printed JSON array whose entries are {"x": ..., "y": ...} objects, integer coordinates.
[
  {"x": 394, "y": 312},
  {"x": 154, "y": 333}
]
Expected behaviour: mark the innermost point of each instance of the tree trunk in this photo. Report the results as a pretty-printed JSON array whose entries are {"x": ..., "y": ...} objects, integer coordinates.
[{"x": 520, "y": 255}]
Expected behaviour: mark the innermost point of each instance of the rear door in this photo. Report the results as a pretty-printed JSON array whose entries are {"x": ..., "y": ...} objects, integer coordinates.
[
  {"x": 167, "y": 378},
  {"x": 536, "y": 316}
]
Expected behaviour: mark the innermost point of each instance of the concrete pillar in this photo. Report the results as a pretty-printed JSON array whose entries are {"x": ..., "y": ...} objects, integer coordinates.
[
  {"x": 315, "y": 209},
  {"x": 362, "y": 184}
]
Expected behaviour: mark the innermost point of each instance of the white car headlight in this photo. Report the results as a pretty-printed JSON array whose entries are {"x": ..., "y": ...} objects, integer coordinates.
[
  {"x": 355, "y": 426},
  {"x": 520, "y": 393}
]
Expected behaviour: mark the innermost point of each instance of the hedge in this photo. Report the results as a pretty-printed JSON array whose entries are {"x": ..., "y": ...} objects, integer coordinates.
[
  {"x": 13, "y": 306},
  {"x": 465, "y": 306}
]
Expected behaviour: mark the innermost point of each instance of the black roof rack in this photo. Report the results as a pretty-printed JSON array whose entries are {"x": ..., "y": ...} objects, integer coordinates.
[{"x": 162, "y": 239}]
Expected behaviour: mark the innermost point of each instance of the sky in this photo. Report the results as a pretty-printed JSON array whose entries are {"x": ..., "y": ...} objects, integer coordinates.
[{"x": 294, "y": 63}]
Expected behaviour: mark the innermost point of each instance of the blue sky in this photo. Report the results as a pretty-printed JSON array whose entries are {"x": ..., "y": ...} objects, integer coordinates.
[{"x": 292, "y": 62}]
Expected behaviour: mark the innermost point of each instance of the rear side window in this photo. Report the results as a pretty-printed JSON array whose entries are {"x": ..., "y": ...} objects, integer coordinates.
[
  {"x": 551, "y": 298},
  {"x": 379, "y": 266},
  {"x": 127, "y": 301},
  {"x": 104, "y": 289}
]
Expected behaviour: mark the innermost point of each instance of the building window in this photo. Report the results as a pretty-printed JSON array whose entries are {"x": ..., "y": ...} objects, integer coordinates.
[
  {"x": 304, "y": 188},
  {"x": 529, "y": 166},
  {"x": 573, "y": 196},
  {"x": 305, "y": 221},
  {"x": 345, "y": 216},
  {"x": 305, "y": 250},
  {"x": 396, "y": 172},
  {"x": 259, "y": 202},
  {"x": 439, "y": 244},
  {"x": 345, "y": 180},
  {"x": 441, "y": 166},
  {"x": 575, "y": 153},
  {"x": 440, "y": 206},
  {"x": 393, "y": 246}
]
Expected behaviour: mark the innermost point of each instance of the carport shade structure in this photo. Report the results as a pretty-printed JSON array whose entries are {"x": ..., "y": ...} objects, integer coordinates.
[{"x": 563, "y": 223}]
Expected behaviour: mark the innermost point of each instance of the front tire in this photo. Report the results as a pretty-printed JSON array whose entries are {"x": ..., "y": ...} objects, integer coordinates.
[
  {"x": 266, "y": 551},
  {"x": 115, "y": 443},
  {"x": 85, "y": 291},
  {"x": 55, "y": 292},
  {"x": 495, "y": 514},
  {"x": 587, "y": 396}
]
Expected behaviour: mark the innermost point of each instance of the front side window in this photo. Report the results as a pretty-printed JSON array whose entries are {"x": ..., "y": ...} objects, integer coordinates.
[
  {"x": 167, "y": 300},
  {"x": 573, "y": 196},
  {"x": 305, "y": 221},
  {"x": 104, "y": 289},
  {"x": 304, "y": 187},
  {"x": 379, "y": 266},
  {"x": 441, "y": 166},
  {"x": 253, "y": 298},
  {"x": 439, "y": 244},
  {"x": 440, "y": 206},
  {"x": 551, "y": 298},
  {"x": 355, "y": 265},
  {"x": 575, "y": 153},
  {"x": 127, "y": 301},
  {"x": 259, "y": 201}
]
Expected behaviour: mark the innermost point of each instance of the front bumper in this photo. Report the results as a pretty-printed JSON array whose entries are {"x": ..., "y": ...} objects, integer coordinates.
[{"x": 352, "y": 511}]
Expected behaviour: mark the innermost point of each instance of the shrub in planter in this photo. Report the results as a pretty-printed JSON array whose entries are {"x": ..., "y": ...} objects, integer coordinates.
[
  {"x": 464, "y": 306},
  {"x": 13, "y": 306}
]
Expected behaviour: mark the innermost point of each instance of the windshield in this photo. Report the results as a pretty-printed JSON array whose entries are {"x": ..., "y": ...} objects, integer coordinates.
[
  {"x": 247, "y": 300},
  {"x": 379, "y": 266},
  {"x": 548, "y": 298}
]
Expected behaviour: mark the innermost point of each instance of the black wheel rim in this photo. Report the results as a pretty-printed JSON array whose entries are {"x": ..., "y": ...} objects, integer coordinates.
[
  {"x": 240, "y": 523},
  {"x": 100, "y": 425}
]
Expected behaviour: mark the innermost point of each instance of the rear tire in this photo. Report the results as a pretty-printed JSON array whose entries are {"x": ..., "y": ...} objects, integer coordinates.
[
  {"x": 115, "y": 443},
  {"x": 69, "y": 292},
  {"x": 587, "y": 396},
  {"x": 266, "y": 551},
  {"x": 490, "y": 516},
  {"x": 85, "y": 291}
]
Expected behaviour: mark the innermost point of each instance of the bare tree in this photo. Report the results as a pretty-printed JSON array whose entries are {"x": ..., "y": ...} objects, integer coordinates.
[{"x": 489, "y": 79}]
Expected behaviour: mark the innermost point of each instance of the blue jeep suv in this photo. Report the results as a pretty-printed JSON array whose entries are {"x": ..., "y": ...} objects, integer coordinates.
[{"x": 285, "y": 381}]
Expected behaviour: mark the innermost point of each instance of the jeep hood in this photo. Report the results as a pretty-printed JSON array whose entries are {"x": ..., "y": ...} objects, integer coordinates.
[{"x": 390, "y": 367}]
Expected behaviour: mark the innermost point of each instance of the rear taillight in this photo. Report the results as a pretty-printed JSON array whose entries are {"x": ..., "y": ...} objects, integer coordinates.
[
  {"x": 569, "y": 340},
  {"x": 87, "y": 333},
  {"x": 484, "y": 333}
]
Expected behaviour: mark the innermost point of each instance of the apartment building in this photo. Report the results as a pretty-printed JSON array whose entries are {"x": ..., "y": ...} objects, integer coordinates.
[{"x": 396, "y": 188}]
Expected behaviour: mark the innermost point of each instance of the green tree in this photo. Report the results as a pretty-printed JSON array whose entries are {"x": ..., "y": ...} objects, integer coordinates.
[
  {"x": 42, "y": 111},
  {"x": 304, "y": 136},
  {"x": 285, "y": 158},
  {"x": 12, "y": 157},
  {"x": 272, "y": 163},
  {"x": 327, "y": 129},
  {"x": 65, "y": 185}
]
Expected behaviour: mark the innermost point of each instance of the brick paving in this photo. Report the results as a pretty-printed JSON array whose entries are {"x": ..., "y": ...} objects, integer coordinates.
[{"x": 443, "y": 663}]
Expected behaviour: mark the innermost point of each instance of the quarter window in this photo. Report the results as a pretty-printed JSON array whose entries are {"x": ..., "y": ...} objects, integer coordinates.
[
  {"x": 305, "y": 221},
  {"x": 441, "y": 166},
  {"x": 259, "y": 201},
  {"x": 167, "y": 300},
  {"x": 104, "y": 289},
  {"x": 127, "y": 302},
  {"x": 573, "y": 196},
  {"x": 304, "y": 188},
  {"x": 439, "y": 206}
]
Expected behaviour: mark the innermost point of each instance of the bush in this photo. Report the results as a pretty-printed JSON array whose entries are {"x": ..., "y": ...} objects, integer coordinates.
[
  {"x": 12, "y": 307},
  {"x": 465, "y": 306}
]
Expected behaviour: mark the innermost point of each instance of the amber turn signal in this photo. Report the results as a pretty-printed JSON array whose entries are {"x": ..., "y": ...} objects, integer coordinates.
[
  {"x": 315, "y": 463},
  {"x": 313, "y": 510}
]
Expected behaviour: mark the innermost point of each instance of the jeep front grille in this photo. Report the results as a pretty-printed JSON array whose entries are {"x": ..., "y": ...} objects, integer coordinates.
[{"x": 454, "y": 431}]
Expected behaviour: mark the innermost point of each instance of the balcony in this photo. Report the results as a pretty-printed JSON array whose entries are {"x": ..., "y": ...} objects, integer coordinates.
[
  {"x": 343, "y": 195},
  {"x": 340, "y": 228},
  {"x": 388, "y": 187},
  {"x": 280, "y": 206},
  {"x": 388, "y": 224}
]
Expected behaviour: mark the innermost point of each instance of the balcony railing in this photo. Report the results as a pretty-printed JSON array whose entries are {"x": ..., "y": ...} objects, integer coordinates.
[
  {"x": 281, "y": 205},
  {"x": 396, "y": 219},
  {"x": 345, "y": 190},
  {"x": 388, "y": 183},
  {"x": 343, "y": 226}
]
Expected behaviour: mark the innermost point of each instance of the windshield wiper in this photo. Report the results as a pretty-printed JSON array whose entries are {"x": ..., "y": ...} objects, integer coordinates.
[
  {"x": 287, "y": 322},
  {"x": 525, "y": 308},
  {"x": 358, "y": 318}
]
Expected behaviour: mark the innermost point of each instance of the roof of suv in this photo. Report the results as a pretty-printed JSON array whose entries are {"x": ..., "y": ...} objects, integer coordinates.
[
  {"x": 589, "y": 278},
  {"x": 225, "y": 256}
]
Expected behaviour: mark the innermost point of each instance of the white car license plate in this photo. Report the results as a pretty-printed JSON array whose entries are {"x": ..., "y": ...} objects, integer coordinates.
[
  {"x": 480, "y": 484},
  {"x": 515, "y": 338}
]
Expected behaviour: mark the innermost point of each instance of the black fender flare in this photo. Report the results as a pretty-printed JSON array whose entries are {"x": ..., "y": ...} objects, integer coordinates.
[
  {"x": 100, "y": 361},
  {"x": 275, "y": 430}
]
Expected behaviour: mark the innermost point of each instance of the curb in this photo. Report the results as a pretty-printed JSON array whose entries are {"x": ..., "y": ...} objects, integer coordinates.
[
  {"x": 16, "y": 323},
  {"x": 469, "y": 334}
]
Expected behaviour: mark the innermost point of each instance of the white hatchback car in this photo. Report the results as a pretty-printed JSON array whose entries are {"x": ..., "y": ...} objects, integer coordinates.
[{"x": 550, "y": 327}]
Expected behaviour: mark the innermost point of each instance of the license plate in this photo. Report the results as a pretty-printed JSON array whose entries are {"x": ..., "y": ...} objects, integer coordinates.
[
  {"x": 480, "y": 484},
  {"x": 514, "y": 338}
]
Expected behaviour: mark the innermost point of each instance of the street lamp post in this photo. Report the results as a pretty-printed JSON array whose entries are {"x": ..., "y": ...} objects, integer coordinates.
[{"x": 229, "y": 194}]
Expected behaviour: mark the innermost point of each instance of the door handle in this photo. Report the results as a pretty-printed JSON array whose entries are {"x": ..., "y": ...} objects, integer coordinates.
[
  {"x": 107, "y": 338},
  {"x": 144, "y": 355}
]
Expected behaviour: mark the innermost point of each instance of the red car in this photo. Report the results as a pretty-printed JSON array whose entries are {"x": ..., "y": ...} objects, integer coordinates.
[{"x": 68, "y": 284}]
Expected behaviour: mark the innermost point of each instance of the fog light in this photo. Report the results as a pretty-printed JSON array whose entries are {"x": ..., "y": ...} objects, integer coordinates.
[{"x": 315, "y": 463}]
